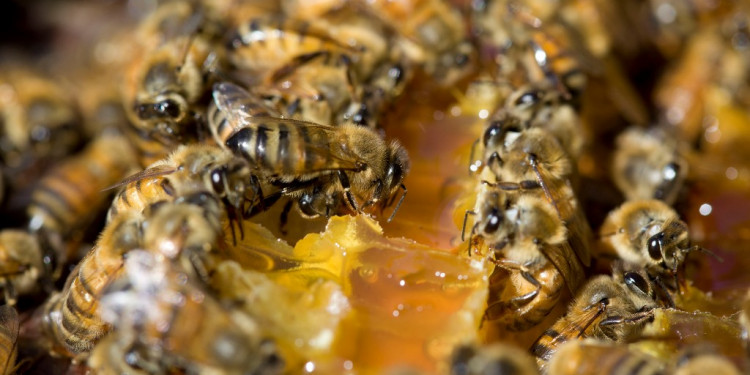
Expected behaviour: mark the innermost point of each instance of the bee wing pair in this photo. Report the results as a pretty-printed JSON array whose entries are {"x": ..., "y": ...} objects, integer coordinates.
[
  {"x": 243, "y": 108},
  {"x": 573, "y": 254}
]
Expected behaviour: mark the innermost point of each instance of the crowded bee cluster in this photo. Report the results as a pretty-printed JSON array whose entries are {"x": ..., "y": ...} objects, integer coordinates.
[{"x": 220, "y": 187}]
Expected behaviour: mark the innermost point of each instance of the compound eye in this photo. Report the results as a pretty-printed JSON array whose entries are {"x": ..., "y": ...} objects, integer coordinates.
[
  {"x": 491, "y": 132},
  {"x": 494, "y": 219},
  {"x": 217, "y": 181},
  {"x": 654, "y": 246},
  {"x": 636, "y": 282},
  {"x": 168, "y": 107}
]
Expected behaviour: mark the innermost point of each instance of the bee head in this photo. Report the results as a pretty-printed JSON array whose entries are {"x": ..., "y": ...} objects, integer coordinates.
[
  {"x": 163, "y": 112},
  {"x": 669, "y": 246},
  {"x": 397, "y": 167}
]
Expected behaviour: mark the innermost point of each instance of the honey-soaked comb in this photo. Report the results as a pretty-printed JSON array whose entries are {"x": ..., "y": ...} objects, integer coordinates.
[{"x": 374, "y": 302}]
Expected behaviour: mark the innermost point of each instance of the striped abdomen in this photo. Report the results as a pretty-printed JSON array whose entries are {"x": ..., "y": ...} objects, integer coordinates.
[
  {"x": 138, "y": 195},
  {"x": 71, "y": 194},
  {"x": 547, "y": 344},
  {"x": 285, "y": 149},
  {"x": 72, "y": 317},
  {"x": 600, "y": 358},
  {"x": 265, "y": 44}
]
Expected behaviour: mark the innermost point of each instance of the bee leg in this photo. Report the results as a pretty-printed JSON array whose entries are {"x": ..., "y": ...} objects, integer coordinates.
[
  {"x": 199, "y": 266},
  {"x": 284, "y": 217},
  {"x": 347, "y": 190}
]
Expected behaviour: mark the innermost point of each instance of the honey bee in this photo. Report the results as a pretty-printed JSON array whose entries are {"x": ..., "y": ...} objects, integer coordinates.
[
  {"x": 533, "y": 161},
  {"x": 172, "y": 315},
  {"x": 430, "y": 33},
  {"x": 647, "y": 165},
  {"x": 648, "y": 234},
  {"x": 316, "y": 90},
  {"x": 538, "y": 106},
  {"x": 64, "y": 201},
  {"x": 612, "y": 308},
  {"x": 71, "y": 319},
  {"x": 9, "y": 325},
  {"x": 305, "y": 159},
  {"x": 702, "y": 362},
  {"x": 492, "y": 359},
  {"x": 37, "y": 120},
  {"x": 183, "y": 230},
  {"x": 188, "y": 169},
  {"x": 264, "y": 46},
  {"x": 528, "y": 239},
  {"x": 22, "y": 263},
  {"x": 161, "y": 90},
  {"x": 591, "y": 356}
]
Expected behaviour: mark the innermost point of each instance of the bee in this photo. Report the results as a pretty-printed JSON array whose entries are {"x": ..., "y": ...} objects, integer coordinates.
[
  {"x": 539, "y": 106},
  {"x": 171, "y": 314},
  {"x": 300, "y": 157},
  {"x": 185, "y": 230},
  {"x": 647, "y": 165},
  {"x": 39, "y": 124},
  {"x": 591, "y": 356},
  {"x": 648, "y": 234},
  {"x": 65, "y": 200},
  {"x": 266, "y": 46},
  {"x": 492, "y": 359},
  {"x": 9, "y": 325},
  {"x": 316, "y": 90},
  {"x": 529, "y": 239},
  {"x": 22, "y": 263},
  {"x": 701, "y": 361},
  {"x": 611, "y": 308},
  {"x": 188, "y": 169},
  {"x": 431, "y": 33},
  {"x": 160, "y": 92},
  {"x": 532, "y": 161},
  {"x": 71, "y": 319}
]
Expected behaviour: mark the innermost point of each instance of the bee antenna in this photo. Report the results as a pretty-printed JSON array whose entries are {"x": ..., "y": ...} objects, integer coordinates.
[
  {"x": 402, "y": 186},
  {"x": 703, "y": 250},
  {"x": 463, "y": 228}
]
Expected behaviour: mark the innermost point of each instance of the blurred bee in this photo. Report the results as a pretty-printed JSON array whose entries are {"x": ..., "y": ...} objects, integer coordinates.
[
  {"x": 268, "y": 46},
  {"x": 71, "y": 319},
  {"x": 22, "y": 263},
  {"x": 315, "y": 90},
  {"x": 38, "y": 125},
  {"x": 170, "y": 314},
  {"x": 184, "y": 230},
  {"x": 188, "y": 169},
  {"x": 648, "y": 234},
  {"x": 432, "y": 33},
  {"x": 647, "y": 165},
  {"x": 160, "y": 93},
  {"x": 612, "y": 308},
  {"x": 529, "y": 239},
  {"x": 68, "y": 197},
  {"x": 492, "y": 359},
  {"x": 9, "y": 325},
  {"x": 701, "y": 360},
  {"x": 302, "y": 157},
  {"x": 591, "y": 356}
]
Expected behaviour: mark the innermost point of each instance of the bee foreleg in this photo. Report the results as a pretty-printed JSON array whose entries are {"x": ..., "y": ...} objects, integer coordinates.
[{"x": 283, "y": 218}]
